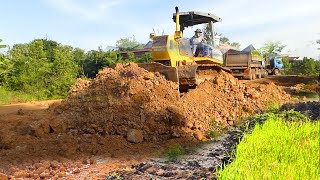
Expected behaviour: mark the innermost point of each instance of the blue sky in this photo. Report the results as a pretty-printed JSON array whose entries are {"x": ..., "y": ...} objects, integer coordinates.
[{"x": 89, "y": 24}]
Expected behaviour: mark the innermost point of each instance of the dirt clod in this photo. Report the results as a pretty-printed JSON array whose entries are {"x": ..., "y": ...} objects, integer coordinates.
[
  {"x": 3, "y": 176},
  {"x": 135, "y": 136}
]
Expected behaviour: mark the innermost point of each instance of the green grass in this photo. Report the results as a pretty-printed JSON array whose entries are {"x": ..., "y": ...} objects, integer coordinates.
[
  {"x": 174, "y": 152},
  {"x": 278, "y": 149},
  {"x": 7, "y": 97},
  {"x": 272, "y": 105},
  {"x": 216, "y": 129},
  {"x": 306, "y": 93}
]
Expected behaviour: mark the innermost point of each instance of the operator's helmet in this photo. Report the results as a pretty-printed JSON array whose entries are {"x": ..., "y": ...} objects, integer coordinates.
[{"x": 198, "y": 31}]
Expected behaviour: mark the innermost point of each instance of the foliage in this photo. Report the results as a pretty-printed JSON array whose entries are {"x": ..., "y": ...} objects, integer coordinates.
[
  {"x": 7, "y": 96},
  {"x": 174, "y": 152},
  {"x": 235, "y": 45},
  {"x": 224, "y": 40},
  {"x": 95, "y": 60},
  {"x": 5, "y": 66},
  {"x": 216, "y": 129},
  {"x": 271, "y": 49},
  {"x": 256, "y": 53},
  {"x": 43, "y": 68},
  {"x": 307, "y": 66},
  {"x": 46, "y": 69},
  {"x": 207, "y": 34},
  {"x": 147, "y": 57},
  {"x": 281, "y": 148},
  {"x": 128, "y": 44},
  {"x": 306, "y": 93},
  {"x": 272, "y": 105},
  {"x": 287, "y": 64},
  {"x": 2, "y": 46}
]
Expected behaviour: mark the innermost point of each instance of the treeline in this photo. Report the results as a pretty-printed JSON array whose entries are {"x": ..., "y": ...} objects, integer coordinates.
[
  {"x": 307, "y": 66},
  {"x": 47, "y": 69}
]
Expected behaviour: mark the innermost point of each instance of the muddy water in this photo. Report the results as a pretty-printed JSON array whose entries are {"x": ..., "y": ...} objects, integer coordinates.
[{"x": 200, "y": 163}]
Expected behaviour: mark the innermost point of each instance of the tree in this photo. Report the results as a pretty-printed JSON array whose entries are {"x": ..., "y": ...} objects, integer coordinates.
[
  {"x": 207, "y": 34},
  {"x": 224, "y": 40},
  {"x": 271, "y": 49},
  {"x": 43, "y": 68},
  {"x": 4, "y": 66},
  {"x": 128, "y": 44},
  {"x": 307, "y": 66},
  {"x": 287, "y": 65},
  {"x": 236, "y": 45},
  {"x": 96, "y": 60},
  {"x": 2, "y": 46}
]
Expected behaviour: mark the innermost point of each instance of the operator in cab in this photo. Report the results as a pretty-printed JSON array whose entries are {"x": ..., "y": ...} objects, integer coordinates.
[{"x": 197, "y": 42}]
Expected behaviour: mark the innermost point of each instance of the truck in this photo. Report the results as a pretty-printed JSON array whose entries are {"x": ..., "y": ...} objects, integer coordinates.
[
  {"x": 274, "y": 66},
  {"x": 247, "y": 65}
]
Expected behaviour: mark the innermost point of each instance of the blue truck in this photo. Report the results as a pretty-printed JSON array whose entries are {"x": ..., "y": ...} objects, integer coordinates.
[{"x": 274, "y": 66}]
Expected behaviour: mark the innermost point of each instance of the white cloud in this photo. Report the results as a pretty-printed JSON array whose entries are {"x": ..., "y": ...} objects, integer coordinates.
[{"x": 89, "y": 10}]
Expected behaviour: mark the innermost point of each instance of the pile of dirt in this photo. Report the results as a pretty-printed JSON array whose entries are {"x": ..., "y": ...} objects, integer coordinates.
[
  {"x": 124, "y": 113},
  {"x": 142, "y": 106},
  {"x": 124, "y": 100}
]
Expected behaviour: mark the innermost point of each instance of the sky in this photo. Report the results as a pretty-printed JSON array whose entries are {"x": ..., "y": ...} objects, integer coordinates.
[{"x": 89, "y": 24}]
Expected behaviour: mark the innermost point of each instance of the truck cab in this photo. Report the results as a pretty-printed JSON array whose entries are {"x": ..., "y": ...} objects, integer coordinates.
[{"x": 275, "y": 66}]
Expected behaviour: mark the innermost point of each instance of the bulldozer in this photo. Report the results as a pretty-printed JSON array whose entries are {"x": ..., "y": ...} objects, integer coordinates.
[{"x": 173, "y": 57}]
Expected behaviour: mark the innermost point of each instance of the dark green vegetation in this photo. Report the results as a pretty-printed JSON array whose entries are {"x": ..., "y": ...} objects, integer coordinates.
[
  {"x": 174, "y": 152},
  {"x": 46, "y": 69},
  {"x": 307, "y": 66},
  {"x": 286, "y": 146},
  {"x": 306, "y": 93}
]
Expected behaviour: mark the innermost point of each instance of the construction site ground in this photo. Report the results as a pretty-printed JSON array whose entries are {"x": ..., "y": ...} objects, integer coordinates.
[{"x": 126, "y": 116}]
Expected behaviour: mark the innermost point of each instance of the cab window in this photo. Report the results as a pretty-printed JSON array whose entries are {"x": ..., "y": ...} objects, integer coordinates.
[{"x": 185, "y": 47}]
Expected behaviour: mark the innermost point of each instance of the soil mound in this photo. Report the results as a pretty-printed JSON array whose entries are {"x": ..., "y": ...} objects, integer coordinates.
[
  {"x": 142, "y": 106},
  {"x": 124, "y": 113}
]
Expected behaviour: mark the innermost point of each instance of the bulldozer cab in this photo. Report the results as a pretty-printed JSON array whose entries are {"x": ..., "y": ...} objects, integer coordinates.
[{"x": 193, "y": 18}]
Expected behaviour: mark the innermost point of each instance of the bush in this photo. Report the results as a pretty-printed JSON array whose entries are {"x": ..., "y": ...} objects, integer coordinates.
[
  {"x": 307, "y": 66},
  {"x": 174, "y": 152}
]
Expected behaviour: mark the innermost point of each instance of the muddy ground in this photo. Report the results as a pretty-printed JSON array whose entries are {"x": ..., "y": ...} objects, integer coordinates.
[
  {"x": 204, "y": 161},
  {"x": 126, "y": 116}
]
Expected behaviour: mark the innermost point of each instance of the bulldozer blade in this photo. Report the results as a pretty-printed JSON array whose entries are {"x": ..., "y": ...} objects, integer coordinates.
[
  {"x": 169, "y": 72},
  {"x": 187, "y": 75}
]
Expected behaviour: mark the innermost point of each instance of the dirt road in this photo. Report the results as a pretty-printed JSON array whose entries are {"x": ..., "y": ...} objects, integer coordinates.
[{"x": 14, "y": 108}]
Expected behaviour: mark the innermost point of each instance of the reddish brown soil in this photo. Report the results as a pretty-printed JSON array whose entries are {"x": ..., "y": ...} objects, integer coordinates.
[{"x": 124, "y": 116}]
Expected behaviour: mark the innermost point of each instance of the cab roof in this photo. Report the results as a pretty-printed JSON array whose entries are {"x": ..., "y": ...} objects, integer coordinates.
[{"x": 192, "y": 18}]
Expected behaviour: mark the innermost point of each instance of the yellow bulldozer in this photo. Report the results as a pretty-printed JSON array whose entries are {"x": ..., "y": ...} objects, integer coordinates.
[{"x": 173, "y": 57}]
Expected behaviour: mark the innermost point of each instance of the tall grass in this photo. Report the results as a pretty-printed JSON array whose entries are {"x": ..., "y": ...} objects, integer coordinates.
[
  {"x": 278, "y": 149},
  {"x": 7, "y": 97}
]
